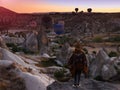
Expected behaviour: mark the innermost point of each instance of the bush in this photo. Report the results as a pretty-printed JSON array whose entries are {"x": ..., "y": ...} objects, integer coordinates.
[
  {"x": 26, "y": 51},
  {"x": 48, "y": 63},
  {"x": 63, "y": 40},
  {"x": 114, "y": 39},
  {"x": 15, "y": 48},
  {"x": 59, "y": 73},
  {"x": 113, "y": 54},
  {"x": 10, "y": 45},
  {"x": 98, "y": 39},
  {"x": 99, "y": 78}
]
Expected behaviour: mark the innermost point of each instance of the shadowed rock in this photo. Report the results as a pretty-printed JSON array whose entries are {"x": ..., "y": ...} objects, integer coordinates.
[{"x": 88, "y": 84}]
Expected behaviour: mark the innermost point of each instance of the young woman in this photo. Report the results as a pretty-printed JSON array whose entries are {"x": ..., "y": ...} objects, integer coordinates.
[{"x": 78, "y": 64}]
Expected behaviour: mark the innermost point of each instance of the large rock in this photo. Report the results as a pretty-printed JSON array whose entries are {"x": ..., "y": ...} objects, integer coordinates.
[
  {"x": 2, "y": 43},
  {"x": 7, "y": 55},
  {"x": 102, "y": 66},
  {"x": 5, "y": 63},
  {"x": 31, "y": 42},
  {"x": 30, "y": 79},
  {"x": 65, "y": 53},
  {"x": 108, "y": 71},
  {"x": 95, "y": 67}
]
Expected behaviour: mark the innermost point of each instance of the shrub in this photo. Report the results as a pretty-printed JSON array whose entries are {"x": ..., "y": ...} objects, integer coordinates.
[
  {"x": 98, "y": 39},
  {"x": 10, "y": 44},
  {"x": 114, "y": 39},
  {"x": 26, "y": 51},
  {"x": 99, "y": 78},
  {"x": 48, "y": 63},
  {"x": 63, "y": 40},
  {"x": 59, "y": 73},
  {"x": 15, "y": 48},
  {"x": 113, "y": 54}
]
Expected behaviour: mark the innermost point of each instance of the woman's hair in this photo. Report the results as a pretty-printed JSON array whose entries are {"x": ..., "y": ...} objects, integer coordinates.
[{"x": 78, "y": 48}]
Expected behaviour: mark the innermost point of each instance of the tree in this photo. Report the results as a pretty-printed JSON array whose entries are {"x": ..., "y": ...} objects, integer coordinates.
[
  {"x": 76, "y": 9},
  {"x": 89, "y": 10}
]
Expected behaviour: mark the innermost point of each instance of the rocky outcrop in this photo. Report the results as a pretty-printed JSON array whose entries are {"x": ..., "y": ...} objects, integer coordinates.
[
  {"x": 24, "y": 74},
  {"x": 108, "y": 71},
  {"x": 2, "y": 43},
  {"x": 31, "y": 42},
  {"x": 102, "y": 66}
]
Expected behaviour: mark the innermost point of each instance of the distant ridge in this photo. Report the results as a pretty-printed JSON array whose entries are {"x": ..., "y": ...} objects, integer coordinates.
[{"x": 5, "y": 11}]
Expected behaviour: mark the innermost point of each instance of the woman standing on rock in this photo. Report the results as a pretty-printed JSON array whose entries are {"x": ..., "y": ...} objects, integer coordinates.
[{"x": 78, "y": 64}]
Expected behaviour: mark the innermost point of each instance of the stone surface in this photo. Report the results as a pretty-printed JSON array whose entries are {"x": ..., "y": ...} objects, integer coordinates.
[
  {"x": 108, "y": 71},
  {"x": 87, "y": 84},
  {"x": 102, "y": 66}
]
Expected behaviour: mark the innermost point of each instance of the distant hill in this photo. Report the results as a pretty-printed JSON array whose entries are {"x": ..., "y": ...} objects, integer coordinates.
[{"x": 5, "y": 11}]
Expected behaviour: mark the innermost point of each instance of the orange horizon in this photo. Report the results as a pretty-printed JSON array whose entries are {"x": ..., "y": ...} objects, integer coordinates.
[
  {"x": 30, "y": 6},
  {"x": 45, "y": 10}
]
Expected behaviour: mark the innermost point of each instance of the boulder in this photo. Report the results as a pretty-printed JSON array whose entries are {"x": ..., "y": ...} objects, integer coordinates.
[
  {"x": 5, "y": 63},
  {"x": 97, "y": 64},
  {"x": 2, "y": 43},
  {"x": 7, "y": 55},
  {"x": 103, "y": 66},
  {"x": 108, "y": 71},
  {"x": 31, "y": 42}
]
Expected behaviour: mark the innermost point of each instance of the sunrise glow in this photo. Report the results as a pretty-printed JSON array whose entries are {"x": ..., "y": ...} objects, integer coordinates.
[{"x": 29, "y": 6}]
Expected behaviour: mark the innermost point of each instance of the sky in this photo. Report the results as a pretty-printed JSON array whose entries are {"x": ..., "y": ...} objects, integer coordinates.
[{"x": 30, "y": 6}]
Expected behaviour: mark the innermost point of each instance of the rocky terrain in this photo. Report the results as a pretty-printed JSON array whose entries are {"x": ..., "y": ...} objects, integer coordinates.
[
  {"x": 32, "y": 70},
  {"x": 36, "y": 59}
]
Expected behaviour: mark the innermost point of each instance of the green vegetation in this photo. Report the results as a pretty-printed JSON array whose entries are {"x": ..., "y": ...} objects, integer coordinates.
[
  {"x": 48, "y": 63},
  {"x": 15, "y": 48},
  {"x": 114, "y": 39},
  {"x": 63, "y": 40},
  {"x": 113, "y": 54},
  {"x": 59, "y": 73},
  {"x": 98, "y": 39},
  {"x": 98, "y": 78},
  {"x": 55, "y": 47}
]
